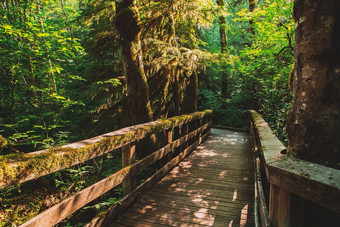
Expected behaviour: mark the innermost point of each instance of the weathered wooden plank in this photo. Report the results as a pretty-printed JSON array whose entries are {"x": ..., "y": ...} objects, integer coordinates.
[
  {"x": 190, "y": 217},
  {"x": 158, "y": 221},
  {"x": 140, "y": 223},
  {"x": 214, "y": 210},
  {"x": 204, "y": 197},
  {"x": 213, "y": 194},
  {"x": 203, "y": 202},
  {"x": 224, "y": 183},
  {"x": 171, "y": 216}
]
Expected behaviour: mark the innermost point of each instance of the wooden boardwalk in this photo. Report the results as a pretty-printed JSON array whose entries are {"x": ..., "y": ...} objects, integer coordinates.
[{"x": 213, "y": 186}]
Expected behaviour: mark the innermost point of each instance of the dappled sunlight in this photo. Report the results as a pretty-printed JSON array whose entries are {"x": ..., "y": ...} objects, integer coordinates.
[
  {"x": 203, "y": 217},
  {"x": 222, "y": 174},
  {"x": 211, "y": 187},
  {"x": 244, "y": 215},
  {"x": 235, "y": 195}
]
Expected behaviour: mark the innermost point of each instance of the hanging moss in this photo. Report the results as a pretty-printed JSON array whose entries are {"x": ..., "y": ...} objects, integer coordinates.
[{"x": 16, "y": 168}]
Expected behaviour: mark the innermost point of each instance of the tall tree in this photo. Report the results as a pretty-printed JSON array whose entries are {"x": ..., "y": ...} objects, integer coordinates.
[
  {"x": 252, "y": 5},
  {"x": 224, "y": 48},
  {"x": 127, "y": 23},
  {"x": 314, "y": 122}
]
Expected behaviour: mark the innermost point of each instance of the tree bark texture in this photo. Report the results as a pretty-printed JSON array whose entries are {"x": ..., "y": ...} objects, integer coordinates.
[
  {"x": 177, "y": 95},
  {"x": 252, "y": 5},
  {"x": 224, "y": 49},
  {"x": 191, "y": 95},
  {"x": 127, "y": 23},
  {"x": 313, "y": 124}
]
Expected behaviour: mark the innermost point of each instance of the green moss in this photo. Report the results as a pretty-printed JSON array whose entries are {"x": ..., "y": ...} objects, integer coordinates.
[
  {"x": 3, "y": 143},
  {"x": 15, "y": 168}
]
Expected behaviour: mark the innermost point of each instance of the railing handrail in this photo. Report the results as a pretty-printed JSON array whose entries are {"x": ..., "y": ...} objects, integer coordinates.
[
  {"x": 190, "y": 131},
  {"x": 18, "y": 168},
  {"x": 311, "y": 181}
]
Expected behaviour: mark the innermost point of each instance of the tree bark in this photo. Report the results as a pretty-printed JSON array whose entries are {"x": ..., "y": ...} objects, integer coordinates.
[
  {"x": 177, "y": 95},
  {"x": 224, "y": 49},
  {"x": 313, "y": 125},
  {"x": 127, "y": 23},
  {"x": 191, "y": 95},
  {"x": 251, "y": 22}
]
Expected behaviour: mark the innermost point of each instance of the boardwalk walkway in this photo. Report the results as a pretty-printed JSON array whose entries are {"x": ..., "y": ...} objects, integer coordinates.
[{"x": 213, "y": 186}]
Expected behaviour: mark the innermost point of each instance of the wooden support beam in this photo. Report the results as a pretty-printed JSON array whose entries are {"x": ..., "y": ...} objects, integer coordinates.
[
  {"x": 128, "y": 158},
  {"x": 285, "y": 208}
]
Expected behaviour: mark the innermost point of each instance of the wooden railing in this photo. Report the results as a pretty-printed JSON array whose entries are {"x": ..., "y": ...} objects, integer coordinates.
[
  {"x": 285, "y": 182},
  {"x": 184, "y": 132}
]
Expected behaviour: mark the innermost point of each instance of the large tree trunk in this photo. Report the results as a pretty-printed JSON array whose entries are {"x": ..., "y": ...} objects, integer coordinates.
[
  {"x": 126, "y": 21},
  {"x": 313, "y": 125},
  {"x": 224, "y": 49}
]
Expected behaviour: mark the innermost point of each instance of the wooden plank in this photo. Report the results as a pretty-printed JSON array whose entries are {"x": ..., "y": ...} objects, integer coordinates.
[
  {"x": 135, "y": 222},
  {"x": 172, "y": 216},
  {"x": 156, "y": 221},
  {"x": 214, "y": 210},
  {"x": 264, "y": 214},
  {"x": 105, "y": 218},
  {"x": 204, "y": 197},
  {"x": 201, "y": 217},
  {"x": 279, "y": 207},
  {"x": 215, "y": 194},
  {"x": 203, "y": 202},
  {"x": 225, "y": 183}
]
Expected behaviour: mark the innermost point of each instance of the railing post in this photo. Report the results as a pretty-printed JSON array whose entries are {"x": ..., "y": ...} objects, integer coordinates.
[
  {"x": 128, "y": 158},
  {"x": 185, "y": 131},
  {"x": 285, "y": 208},
  {"x": 168, "y": 136}
]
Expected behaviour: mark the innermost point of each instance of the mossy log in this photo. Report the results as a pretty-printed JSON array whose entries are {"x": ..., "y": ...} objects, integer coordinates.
[{"x": 18, "y": 168}]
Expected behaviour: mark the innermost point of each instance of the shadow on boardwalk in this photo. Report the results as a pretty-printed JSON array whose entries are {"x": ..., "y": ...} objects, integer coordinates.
[{"x": 213, "y": 186}]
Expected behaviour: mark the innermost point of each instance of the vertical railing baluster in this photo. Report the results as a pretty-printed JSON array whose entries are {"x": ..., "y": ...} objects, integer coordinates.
[{"x": 128, "y": 158}]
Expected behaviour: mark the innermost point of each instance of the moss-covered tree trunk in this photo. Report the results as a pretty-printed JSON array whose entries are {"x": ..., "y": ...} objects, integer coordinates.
[
  {"x": 127, "y": 23},
  {"x": 191, "y": 95},
  {"x": 224, "y": 49},
  {"x": 314, "y": 122}
]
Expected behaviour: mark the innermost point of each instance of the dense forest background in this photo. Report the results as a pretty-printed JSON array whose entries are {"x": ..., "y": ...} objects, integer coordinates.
[{"x": 62, "y": 77}]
